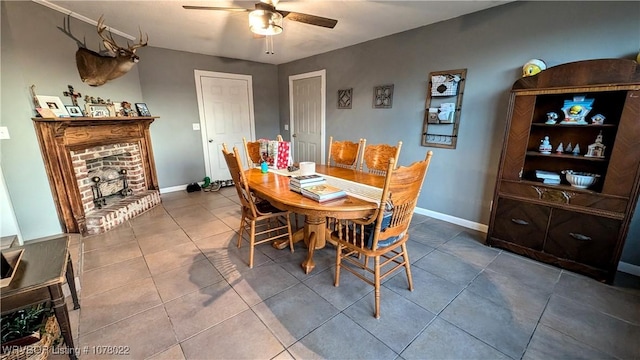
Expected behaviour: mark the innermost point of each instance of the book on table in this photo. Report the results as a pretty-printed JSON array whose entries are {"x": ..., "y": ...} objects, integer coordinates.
[
  {"x": 296, "y": 183},
  {"x": 323, "y": 192},
  {"x": 307, "y": 179}
]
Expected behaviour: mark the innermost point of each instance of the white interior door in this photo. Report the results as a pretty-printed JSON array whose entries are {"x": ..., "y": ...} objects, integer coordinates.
[
  {"x": 225, "y": 102},
  {"x": 307, "y": 116}
]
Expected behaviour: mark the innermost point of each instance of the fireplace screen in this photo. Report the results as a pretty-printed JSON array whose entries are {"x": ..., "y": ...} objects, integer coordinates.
[{"x": 108, "y": 182}]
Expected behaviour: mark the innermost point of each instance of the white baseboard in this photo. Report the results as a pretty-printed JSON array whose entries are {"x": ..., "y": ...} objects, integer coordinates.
[
  {"x": 452, "y": 219},
  {"x": 173, "y": 189},
  {"x": 629, "y": 268}
]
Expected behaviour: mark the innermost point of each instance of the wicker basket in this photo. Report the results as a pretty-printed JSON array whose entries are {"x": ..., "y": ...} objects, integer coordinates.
[{"x": 38, "y": 350}]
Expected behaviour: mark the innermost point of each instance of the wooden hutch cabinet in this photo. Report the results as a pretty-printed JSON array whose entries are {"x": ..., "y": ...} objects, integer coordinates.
[{"x": 582, "y": 230}]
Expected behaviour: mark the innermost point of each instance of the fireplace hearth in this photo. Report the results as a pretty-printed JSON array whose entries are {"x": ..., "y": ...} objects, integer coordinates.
[{"x": 101, "y": 170}]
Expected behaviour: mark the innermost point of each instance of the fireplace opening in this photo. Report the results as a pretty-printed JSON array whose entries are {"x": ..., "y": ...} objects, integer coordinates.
[{"x": 112, "y": 185}]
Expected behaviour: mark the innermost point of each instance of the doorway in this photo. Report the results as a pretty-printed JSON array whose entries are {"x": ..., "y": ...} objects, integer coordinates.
[
  {"x": 307, "y": 99},
  {"x": 225, "y": 104}
]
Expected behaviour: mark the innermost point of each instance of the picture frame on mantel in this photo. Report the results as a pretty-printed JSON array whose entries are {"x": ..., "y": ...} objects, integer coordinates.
[
  {"x": 54, "y": 104},
  {"x": 142, "y": 109},
  {"x": 74, "y": 111},
  {"x": 99, "y": 110}
]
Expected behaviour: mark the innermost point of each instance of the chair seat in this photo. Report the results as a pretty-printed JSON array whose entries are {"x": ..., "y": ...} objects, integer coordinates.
[
  {"x": 265, "y": 207},
  {"x": 353, "y": 232}
]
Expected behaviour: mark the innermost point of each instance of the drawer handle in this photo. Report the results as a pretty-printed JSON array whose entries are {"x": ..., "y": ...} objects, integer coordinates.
[
  {"x": 580, "y": 237},
  {"x": 519, "y": 221}
]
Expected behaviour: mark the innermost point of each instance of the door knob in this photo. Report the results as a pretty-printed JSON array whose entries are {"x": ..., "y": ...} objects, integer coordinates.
[
  {"x": 210, "y": 140},
  {"x": 294, "y": 135}
]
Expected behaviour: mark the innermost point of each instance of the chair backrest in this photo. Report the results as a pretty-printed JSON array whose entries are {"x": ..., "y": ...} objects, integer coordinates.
[
  {"x": 344, "y": 153},
  {"x": 400, "y": 194},
  {"x": 376, "y": 157},
  {"x": 239, "y": 180},
  {"x": 252, "y": 150}
]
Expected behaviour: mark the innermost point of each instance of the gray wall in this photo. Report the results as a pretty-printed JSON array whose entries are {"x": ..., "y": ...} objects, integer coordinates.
[
  {"x": 34, "y": 51},
  {"x": 492, "y": 45},
  {"x": 168, "y": 85}
]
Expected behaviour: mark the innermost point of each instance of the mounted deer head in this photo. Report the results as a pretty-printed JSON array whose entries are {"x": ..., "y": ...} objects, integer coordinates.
[{"x": 96, "y": 69}]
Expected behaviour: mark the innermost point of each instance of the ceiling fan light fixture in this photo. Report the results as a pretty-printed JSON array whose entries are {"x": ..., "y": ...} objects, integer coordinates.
[{"x": 265, "y": 22}]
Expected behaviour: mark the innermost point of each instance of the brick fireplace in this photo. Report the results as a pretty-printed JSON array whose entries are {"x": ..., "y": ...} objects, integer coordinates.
[{"x": 101, "y": 170}]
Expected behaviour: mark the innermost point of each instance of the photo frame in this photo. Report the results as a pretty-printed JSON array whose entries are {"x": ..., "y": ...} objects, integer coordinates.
[
  {"x": 74, "y": 111},
  {"x": 99, "y": 110},
  {"x": 142, "y": 109},
  {"x": 54, "y": 103},
  {"x": 383, "y": 96},
  {"x": 45, "y": 113},
  {"x": 345, "y": 97}
]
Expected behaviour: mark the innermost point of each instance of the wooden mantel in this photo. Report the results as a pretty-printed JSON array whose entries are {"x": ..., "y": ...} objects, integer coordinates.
[{"x": 59, "y": 136}]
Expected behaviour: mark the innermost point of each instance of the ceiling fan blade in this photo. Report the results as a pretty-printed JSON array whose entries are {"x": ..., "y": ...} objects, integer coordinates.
[
  {"x": 309, "y": 19},
  {"x": 189, "y": 7}
]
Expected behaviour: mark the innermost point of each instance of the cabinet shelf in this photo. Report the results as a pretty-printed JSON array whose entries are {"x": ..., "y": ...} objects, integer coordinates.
[
  {"x": 561, "y": 186},
  {"x": 588, "y": 126},
  {"x": 582, "y": 230},
  {"x": 566, "y": 156}
]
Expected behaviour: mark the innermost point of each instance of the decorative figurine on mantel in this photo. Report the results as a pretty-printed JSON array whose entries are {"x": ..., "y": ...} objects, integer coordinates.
[
  {"x": 560, "y": 149},
  {"x": 575, "y": 110},
  {"x": 545, "y": 146},
  {"x": 127, "y": 110},
  {"x": 596, "y": 149},
  {"x": 551, "y": 118},
  {"x": 597, "y": 119}
]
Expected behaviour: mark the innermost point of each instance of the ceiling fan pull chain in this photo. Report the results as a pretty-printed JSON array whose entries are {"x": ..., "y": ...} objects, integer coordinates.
[{"x": 269, "y": 44}]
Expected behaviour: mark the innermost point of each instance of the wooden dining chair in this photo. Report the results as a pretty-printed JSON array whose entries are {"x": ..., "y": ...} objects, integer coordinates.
[
  {"x": 344, "y": 153},
  {"x": 252, "y": 151},
  {"x": 376, "y": 157},
  {"x": 263, "y": 221},
  {"x": 384, "y": 235}
]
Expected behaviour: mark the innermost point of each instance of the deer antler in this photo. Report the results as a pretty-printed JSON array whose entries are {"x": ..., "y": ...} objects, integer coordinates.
[
  {"x": 111, "y": 43},
  {"x": 66, "y": 28},
  {"x": 140, "y": 43}
]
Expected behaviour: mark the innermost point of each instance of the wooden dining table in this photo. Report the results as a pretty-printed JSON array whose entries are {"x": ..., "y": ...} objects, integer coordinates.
[{"x": 275, "y": 188}]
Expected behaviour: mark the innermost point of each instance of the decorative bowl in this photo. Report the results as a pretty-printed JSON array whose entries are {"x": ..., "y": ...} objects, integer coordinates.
[{"x": 579, "y": 179}]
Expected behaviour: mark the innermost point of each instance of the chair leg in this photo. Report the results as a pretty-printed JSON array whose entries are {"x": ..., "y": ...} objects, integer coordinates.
[
  {"x": 407, "y": 266},
  {"x": 336, "y": 281},
  {"x": 242, "y": 225},
  {"x": 376, "y": 280},
  {"x": 252, "y": 241},
  {"x": 290, "y": 232}
]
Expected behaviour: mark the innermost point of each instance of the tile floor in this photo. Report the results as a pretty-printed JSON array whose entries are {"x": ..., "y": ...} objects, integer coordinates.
[{"x": 171, "y": 284}]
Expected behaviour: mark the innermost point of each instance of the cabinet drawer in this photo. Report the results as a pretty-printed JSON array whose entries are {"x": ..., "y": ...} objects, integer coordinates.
[
  {"x": 521, "y": 223},
  {"x": 564, "y": 195},
  {"x": 582, "y": 238}
]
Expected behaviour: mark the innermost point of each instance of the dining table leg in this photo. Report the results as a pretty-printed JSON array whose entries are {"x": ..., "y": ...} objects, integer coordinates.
[
  {"x": 314, "y": 235},
  {"x": 308, "y": 264}
]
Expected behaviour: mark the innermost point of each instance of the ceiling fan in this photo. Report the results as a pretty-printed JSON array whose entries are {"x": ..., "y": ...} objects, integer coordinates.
[{"x": 265, "y": 19}]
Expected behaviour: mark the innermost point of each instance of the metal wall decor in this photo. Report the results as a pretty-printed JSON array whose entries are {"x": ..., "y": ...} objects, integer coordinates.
[
  {"x": 344, "y": 98},
  {"x": 442, "y": 108},
  {"x": 383, "y": 96}
]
